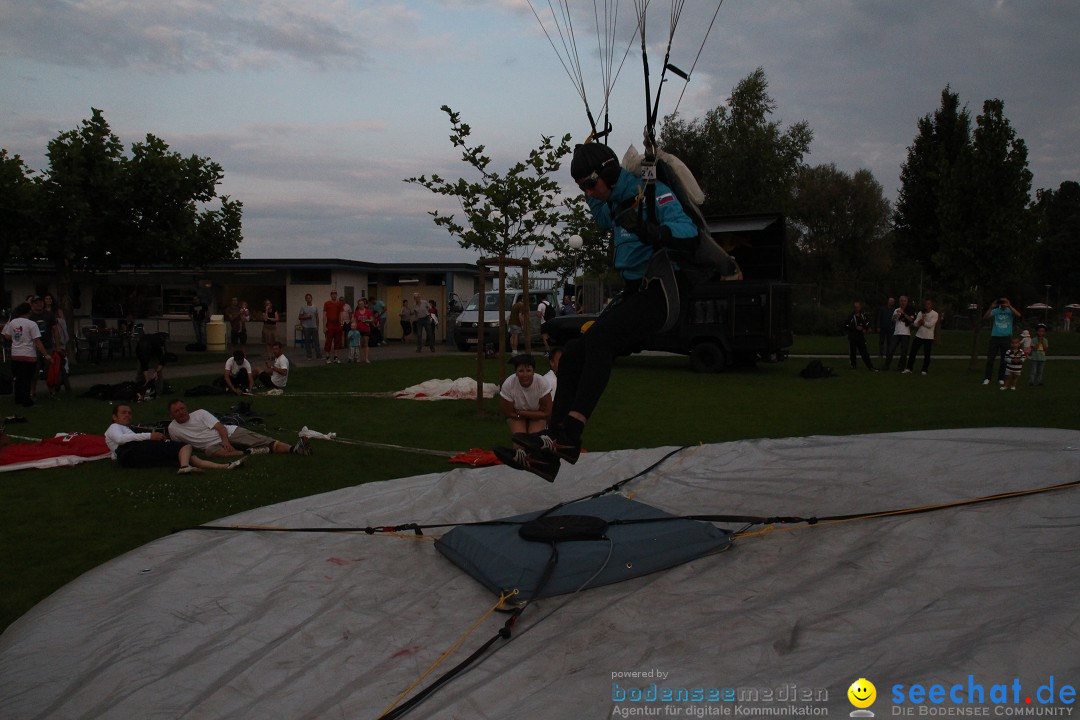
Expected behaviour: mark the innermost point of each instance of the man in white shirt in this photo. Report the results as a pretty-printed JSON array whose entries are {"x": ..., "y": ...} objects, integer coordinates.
[
  {"x": 205, "y": 432},
  {"x": 238, "y": 374},
  {"x": 525, "y": 397},
  {"x": 276, "y": 374},
  {"x": 26, "y": 346},
  {"x": 925, "y": 327},
  {"x": 902, "y": 318},
  {"x": 150, "y": 449}
]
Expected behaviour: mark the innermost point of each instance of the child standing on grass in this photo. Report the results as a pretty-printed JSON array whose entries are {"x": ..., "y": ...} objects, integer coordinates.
[
  {"x": 1014, "y": 363},
  {"x": 1039, "y": 346},
  {"x": 353, "y": 341}
]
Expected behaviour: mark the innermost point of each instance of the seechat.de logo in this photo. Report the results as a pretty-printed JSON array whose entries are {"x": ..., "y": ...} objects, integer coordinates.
[{"x": 862, "y": 695}]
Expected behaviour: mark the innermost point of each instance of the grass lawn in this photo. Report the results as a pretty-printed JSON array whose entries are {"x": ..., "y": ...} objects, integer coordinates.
[{"x": 56, "y": 524}]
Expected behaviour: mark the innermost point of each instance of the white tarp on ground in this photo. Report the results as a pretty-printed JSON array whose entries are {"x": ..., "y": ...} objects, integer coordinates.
[{"x": 207, "y": 624}]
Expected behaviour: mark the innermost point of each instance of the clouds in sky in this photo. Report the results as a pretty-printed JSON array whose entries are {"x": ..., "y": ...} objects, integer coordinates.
[{"x": 317, "y": 111}]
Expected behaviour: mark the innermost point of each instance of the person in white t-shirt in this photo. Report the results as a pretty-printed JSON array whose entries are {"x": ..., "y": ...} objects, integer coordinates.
[
  {"x": 206, "y": 433},
  {"x": 902, "y": 319},
  {"x": 552, "y": 375},
  {"x": 26, "y": 346},
  {"x": 525, "y": 397},
  {"x": 143, "y": 449},
  {"x": 238, "y": 374},
  {"x": 276, "y": 374},
  {"x": 925, "y": 328}
]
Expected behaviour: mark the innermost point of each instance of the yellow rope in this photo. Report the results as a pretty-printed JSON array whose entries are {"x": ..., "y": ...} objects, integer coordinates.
[{"x": 449, "y": 651}]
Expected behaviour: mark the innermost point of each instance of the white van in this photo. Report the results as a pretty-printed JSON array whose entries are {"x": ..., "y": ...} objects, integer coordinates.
[{"x": 465, "y": 329}]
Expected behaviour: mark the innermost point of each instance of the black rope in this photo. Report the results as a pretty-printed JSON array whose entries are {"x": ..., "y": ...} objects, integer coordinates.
[{"x": 504, "y": 633}]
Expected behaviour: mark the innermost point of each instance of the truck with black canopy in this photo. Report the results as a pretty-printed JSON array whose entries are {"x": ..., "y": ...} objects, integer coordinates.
[{"x": 721, "y": 321}]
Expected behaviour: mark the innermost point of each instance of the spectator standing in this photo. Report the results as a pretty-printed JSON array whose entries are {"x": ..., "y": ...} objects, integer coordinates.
[
  {"x": 569, "y": 307},
  {"x": 237, "y": 329},
  {"x": 405, "y": 317},
  {"x": 902, "y": 318},
  {"x": 197, "y": 313},
  {"x": 421, "y": 316},
  {"x": 433, "y": 313},
  {"x": 378, "y": 310},
  {"x": 517, "y": 323},
  {"x": 245, "y": 318},
  {"x": 1001, "y": 315},
  {"x": 885, "y": 327},
  {"x": 352, "y": 345},
  {"x": 1014, "y": 364},
  {"x": 58, "y": 370},
  {"x": 856, "y": 326},
  {"x": 63, "y": 337},
  {"x": 332, "y": 310},
  {"x": 309, "y": 327},
  {"x": 363, "y": 319},
  {"x": 26, "y": 346},
  {"x": 50, "y": 336},
  {"x": 1039, "y": 346},
  {"x": 925, "y": 329},
  {"x": 346, "y": 316},
  {"x": 544, "y": 312},
  {"x": 271, "y": 317}
]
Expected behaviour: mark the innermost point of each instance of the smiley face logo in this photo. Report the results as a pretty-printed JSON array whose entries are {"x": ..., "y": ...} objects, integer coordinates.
[{"x": 862, "y": 693}]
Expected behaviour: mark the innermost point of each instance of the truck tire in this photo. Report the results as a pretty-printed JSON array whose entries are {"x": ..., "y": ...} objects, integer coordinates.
[{"x": 707, "y": 357}]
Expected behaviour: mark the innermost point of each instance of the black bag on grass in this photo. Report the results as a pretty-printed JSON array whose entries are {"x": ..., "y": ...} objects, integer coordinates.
[{"x": 814, "y": 370}]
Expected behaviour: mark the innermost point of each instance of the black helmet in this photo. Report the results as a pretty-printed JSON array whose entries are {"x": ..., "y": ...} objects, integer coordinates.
[{"x": 595, "y": 158}]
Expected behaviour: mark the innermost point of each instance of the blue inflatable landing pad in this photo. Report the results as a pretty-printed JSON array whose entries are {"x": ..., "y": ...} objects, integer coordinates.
[{"x": 500, "y": 559}]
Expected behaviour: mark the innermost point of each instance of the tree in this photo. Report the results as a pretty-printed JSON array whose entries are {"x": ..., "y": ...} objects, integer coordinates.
[
  {"x": 515, "y": 212},
  {"x": 930, "y": 208},
  {"x": 1000, "y": 245},
  {"x": 99, "y": 209},
  {"x": 842, "y": 225},
  {"x": 744, "y": 161},
  {"x": 962, "y": 209},
  {"x": 594, "y": 255},
  {"x": 1056, "y": 214},
  {"x": 19, "y": 197}
]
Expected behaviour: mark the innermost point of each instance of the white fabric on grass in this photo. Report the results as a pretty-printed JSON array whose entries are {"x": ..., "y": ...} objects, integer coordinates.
[{"x": 257, "y": 625}]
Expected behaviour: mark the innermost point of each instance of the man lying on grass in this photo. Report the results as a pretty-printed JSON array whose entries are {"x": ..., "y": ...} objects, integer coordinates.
[
  {"x": 208, "y": 434},
  {"x": 150, "y": 449}
]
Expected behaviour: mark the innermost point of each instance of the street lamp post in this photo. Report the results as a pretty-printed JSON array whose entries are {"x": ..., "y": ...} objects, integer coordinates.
[{"x": 1046, "y": 310}]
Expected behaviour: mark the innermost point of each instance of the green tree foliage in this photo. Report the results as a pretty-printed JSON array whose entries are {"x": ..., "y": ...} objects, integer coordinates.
[
  {"x": 592, "y": 258},
  {"x": 930, "y": 209},
  {"x": 507, "y": 214},
  {"x": 841, "y": 224},
  {"x": 19, "y": 197},
  {"x": 743, "y": 160},
  {"x": 962, "y": 209},
  {"x": 1057, "y": 222},
  {"x": 97, "y": 208}
]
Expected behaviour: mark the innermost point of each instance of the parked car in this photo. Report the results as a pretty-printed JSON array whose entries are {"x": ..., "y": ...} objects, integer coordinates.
[
  {"x": 465, "y": 329},
  {"x": 725, "y": 322}
]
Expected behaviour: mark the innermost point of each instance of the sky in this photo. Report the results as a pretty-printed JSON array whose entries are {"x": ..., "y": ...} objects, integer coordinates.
[{"x": 318, "y": 111}]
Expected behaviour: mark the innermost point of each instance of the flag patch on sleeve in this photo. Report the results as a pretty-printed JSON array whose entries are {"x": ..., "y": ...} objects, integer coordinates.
[{"x": 665, "y": 199}]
